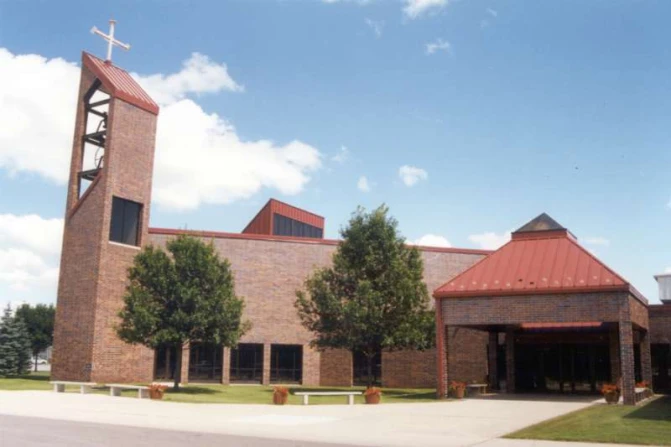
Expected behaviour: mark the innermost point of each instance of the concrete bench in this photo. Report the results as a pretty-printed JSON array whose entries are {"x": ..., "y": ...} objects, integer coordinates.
[
  {"x": 350, "y": 395},
  {"x": 476, "y": 388},
  {"x": 84, "y": 387},
  {"x": 115, "y": 390}
]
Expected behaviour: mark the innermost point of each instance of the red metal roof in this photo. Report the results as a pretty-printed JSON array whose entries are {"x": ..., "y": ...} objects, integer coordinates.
[
  {"x": 118, "y": 83},
  {"x": 536, "y": 261},
  {"x": 262, "y": 222}
]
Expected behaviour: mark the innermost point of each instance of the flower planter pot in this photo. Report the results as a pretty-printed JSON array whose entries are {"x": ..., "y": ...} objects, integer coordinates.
[
  {"x": 612, "y": 398},
  {"x": 156, "y": 394},
  {"x": 459, "y": 393},
  {"x": 372, "y": 398},
  {"x": 280, "y": 398}
]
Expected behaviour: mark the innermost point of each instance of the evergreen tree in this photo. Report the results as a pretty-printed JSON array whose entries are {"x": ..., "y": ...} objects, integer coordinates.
[
  {"x": 39, "y": 321},
  {"x": 14, "y": 345},
  {"x": 185, "y": 296},
  {"x": 373, "y": 297}
]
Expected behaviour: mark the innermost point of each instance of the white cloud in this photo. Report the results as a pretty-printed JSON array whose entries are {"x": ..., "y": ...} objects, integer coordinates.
[
  {"x": 376, "y": 26},
  {"x": 417, "y": 8},
  {"x": 198, "y": 75},
  {"x": 602, "y": 241},
  {"x": 201, "y": 159},
  {"x": 31, "y": 231},
  {"x": 410, "y": 175},
  {"x": 29, "y": 254},
  {"x": 363, "y": 184},
  {"x": 342, "y": 156},
  {"x": 438, "y": 45},
  {"x": 199, "y": 156},
  {"x": 667, "y": 270},
  {"x": 492, "y": 12},
  {"x": 37, "y": 106},
  {"x": 490, "y": 240},
  {"x": 433, "y": 240}
]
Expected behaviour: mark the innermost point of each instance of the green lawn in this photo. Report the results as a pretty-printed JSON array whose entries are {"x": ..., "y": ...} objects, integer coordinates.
[
  {"x": 649, "y": 424},
  {"x": 264, "y": 395},
  {"x": 33, "y": 381},
  {"x": 230, "y": 394}
]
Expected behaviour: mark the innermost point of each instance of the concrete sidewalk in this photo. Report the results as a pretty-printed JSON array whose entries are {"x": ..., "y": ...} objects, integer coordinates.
[{"x": 458, "y": 423}]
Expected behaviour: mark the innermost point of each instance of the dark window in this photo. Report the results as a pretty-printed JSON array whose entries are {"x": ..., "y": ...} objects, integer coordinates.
[
  {"x": 166, "y": 361},
  {"x": 286, "y": 363},
  {"x": 360, "y": 368},
  {"x": 125, "y": 221},
  {"x": 286, "y": 226},
  {"x": 205, "y": 362},
  {"x": 247, "y": 363}
]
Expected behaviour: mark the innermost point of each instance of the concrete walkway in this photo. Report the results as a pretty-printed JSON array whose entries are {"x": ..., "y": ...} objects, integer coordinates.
[{"x": 458, "y": 423}]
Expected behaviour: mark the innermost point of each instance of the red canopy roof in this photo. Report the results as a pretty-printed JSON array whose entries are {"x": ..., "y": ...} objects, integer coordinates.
[
  {"x": 118, "y": 83},
  {"x": 541, "y": 258}
]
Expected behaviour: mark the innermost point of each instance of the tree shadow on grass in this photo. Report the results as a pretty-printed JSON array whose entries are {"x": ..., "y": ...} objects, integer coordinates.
[
  {"x": 657, "y": 410},
  {"x": 192, "y": 390},
  {"x": 414, "y": 396},
  {"x": 35, "y": 377}
]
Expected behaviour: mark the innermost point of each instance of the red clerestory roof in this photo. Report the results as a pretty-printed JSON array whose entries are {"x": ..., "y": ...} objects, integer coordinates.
[
  {"x": 541, "y": 258},
  {"x": 118, "y": 83}
]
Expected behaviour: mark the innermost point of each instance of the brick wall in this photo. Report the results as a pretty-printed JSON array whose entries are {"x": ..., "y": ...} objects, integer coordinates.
[
  {"x": 409, "y": 369},
  {"x": 93, "y": 270},
  {"x": 535, "y": 308},
  {"x": 269, "y": 271},
  {"x": 336, "y": 367},
  {"x": 660, "y": 324}
]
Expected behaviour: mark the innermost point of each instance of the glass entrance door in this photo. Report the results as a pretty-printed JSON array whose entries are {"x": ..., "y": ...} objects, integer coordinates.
[{"x": 561, "y": 367}]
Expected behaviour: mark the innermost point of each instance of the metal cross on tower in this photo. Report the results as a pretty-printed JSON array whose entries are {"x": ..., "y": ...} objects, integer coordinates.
[{"x": 111, "y": 41}]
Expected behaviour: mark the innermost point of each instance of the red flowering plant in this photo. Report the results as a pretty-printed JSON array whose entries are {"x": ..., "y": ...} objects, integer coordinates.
[
  {"x": 280, "y": 395},
  {"x": 611, "y": 393},
  {"x": 372, "y": 391},
  {"x": 156, "y": 390}
]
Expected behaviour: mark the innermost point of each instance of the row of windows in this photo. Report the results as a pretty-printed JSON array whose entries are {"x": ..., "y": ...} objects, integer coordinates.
[
  {"x": 246, "y": 363},
  {"x": 285, "y": 226}
]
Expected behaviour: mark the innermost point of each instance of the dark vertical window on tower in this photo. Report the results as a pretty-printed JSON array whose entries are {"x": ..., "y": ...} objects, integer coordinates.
[
  {"x": 125, "y": 224},
  {"x": 285, "y": 226}
]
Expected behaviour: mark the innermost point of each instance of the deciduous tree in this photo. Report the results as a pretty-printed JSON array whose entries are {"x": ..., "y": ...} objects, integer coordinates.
[
  {"x": 181, "y": 296},
  {"x": 373, "y": 297},
  {"x": 39, "y": 321}
]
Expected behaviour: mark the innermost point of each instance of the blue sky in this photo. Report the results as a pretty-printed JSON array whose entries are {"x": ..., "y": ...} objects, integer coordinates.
[{"x": 504, "y": 110}]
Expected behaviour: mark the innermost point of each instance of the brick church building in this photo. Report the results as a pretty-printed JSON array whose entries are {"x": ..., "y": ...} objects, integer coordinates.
[{"x": 539, "y": 314}]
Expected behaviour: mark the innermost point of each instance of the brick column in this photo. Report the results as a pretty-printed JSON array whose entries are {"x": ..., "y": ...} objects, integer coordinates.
[
  {"x": 614, "y": 335},
  {"x": 226, "y": 366},
  {"x": 646, "y": 360},
  {"x": 266, "y": 364},
  {"x": 492, "y": 354},
  {"x": 627, "y": 362},
  {"x": 441, "y": 353},
  {"x": 510, "y": 360}
]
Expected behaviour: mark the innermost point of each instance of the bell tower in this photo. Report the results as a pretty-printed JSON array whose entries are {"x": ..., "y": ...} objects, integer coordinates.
[{"x": 106, "y": 224}]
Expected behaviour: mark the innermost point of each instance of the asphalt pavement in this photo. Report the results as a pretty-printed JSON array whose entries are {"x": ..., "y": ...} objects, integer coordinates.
[{"x": 19, "y": 431}]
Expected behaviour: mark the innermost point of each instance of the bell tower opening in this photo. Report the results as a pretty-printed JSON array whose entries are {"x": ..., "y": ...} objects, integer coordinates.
[{"x": 96, "y": 113}]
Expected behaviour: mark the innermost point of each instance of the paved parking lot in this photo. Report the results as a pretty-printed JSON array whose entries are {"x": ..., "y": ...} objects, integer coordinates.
[{"x": 457, "y": 423}]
